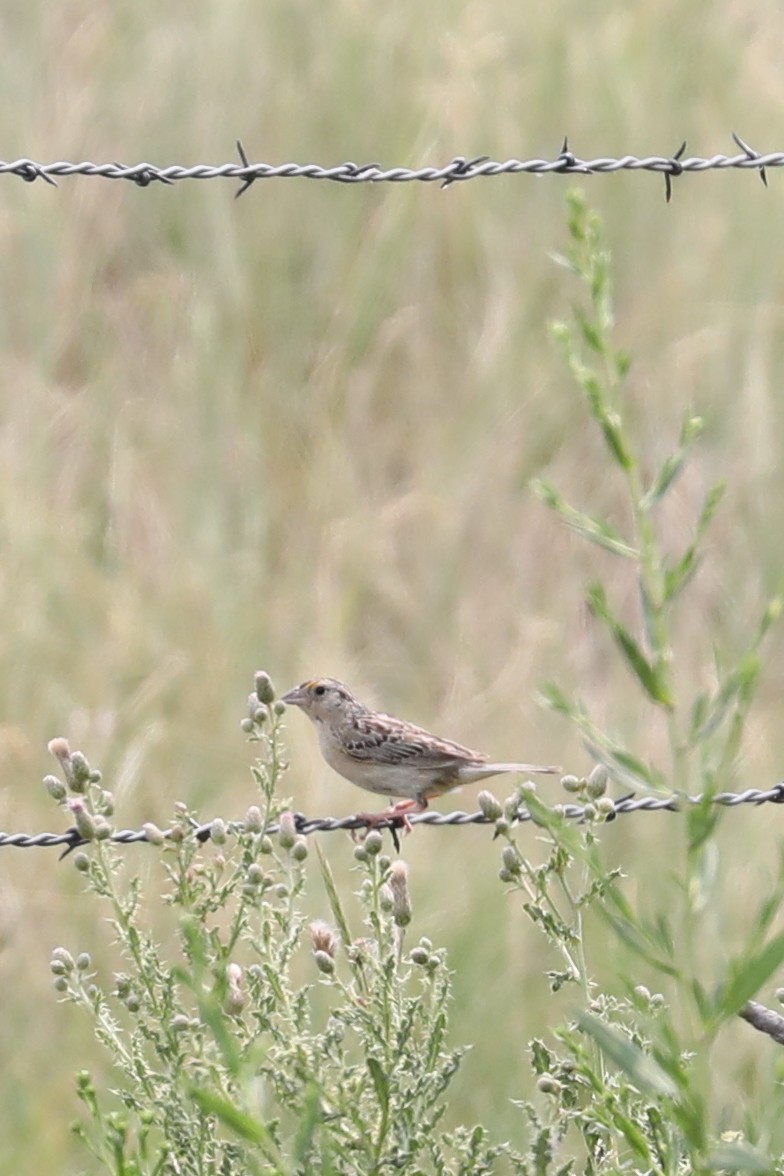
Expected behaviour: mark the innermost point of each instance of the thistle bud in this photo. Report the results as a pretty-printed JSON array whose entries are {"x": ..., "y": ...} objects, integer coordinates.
[
  {"x": 153, "y": 834},
  {"x": 253, "y": 821},
  {"x": 511, "y": 859},
  {"x": 489, "y": 807},
  {"x": 386, "y": 899},
  {"x": 218, "y": 831},
  {"x": 398, "y": 884},
  {"x": 597, "y": 782},
  {"x": 83, "y": 961},
  {"x": 60, "y": 749},
  {"x": 63, "y": 956},
  {"x": 324, "y": 963},
  {"x": 55, "y": 787},
  {"x": 287, "y": 830},
  {"x": 571, "y": 783},
  {"x": 373, "y": 842},
  {"x": 265, "y": 691},
  {"x": 78, "y": 774},
  {"x": 81, "y": 862},
  {"x": 299, "y": 850},
  {"x": 511, "y": 807},
  {"x": 85, "y": 825},
  {"x": 103, "y": 829}
]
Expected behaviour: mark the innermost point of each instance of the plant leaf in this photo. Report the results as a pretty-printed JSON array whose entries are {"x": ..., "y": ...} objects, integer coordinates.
[
  {"x": 641, "y": 1069},
  {"x": 739, "y": 1157},
  {"x": 748, "y": 974},
  {"x": 649, "y": 676},
  {"x": 597, "y": 531},
  {"x": 306, "y": 1128},
  {"x": 238, "y": 1121},
  {"x": 380, "y": 1082}
]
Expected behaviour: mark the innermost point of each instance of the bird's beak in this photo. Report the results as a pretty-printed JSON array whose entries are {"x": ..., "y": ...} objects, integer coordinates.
[{"x": 294, "y": 697}]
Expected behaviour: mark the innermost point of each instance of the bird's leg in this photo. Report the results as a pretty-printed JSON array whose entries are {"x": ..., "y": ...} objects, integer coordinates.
[{"x": 401, "y": 809}]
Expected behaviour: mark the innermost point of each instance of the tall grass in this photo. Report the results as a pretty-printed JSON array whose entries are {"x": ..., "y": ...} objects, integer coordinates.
[{"x": 299, "y": 429}]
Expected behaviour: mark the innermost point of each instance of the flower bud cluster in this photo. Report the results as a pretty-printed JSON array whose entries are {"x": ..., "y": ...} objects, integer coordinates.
[
  {"x": 261, "y": 705},
  {"x": 80, "y": 791}
]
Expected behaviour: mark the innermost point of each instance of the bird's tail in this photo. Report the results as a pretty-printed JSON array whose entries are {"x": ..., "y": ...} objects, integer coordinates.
[{"x": 522, "y": 769}]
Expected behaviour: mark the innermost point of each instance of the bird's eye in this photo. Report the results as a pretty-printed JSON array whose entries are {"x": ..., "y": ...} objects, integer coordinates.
[{"x": 320, "y": 691}]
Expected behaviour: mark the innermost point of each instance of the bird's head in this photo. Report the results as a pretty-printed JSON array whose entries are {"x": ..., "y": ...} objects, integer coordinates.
[{"x": 322, "y": 699}]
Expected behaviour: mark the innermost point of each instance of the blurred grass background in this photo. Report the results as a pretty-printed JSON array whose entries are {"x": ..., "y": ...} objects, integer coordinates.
[{"x": 295, "y": 432}]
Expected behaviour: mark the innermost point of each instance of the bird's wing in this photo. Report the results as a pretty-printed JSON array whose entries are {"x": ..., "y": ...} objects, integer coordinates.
[{"x": 392, "y": 741}]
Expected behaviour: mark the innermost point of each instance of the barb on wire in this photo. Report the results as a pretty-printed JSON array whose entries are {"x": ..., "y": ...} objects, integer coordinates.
[
  {"x": 676, "y": 169},
  {"x": 71, "y": 838},
  {"x": 461, "y": 168},
  {"x": 751, "y": 154}
]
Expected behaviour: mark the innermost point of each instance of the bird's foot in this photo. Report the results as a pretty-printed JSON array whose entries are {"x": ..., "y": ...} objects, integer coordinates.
[{"x": 394, "y": 817}]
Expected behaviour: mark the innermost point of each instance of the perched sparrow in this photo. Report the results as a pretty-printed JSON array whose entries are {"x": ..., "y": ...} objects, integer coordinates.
[{"x": 386, "y": 755}]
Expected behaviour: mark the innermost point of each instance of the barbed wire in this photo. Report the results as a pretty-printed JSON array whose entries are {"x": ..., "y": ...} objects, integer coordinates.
[
  {"x": 459, "y": 169},
  {"x": 71, "y": 839}
]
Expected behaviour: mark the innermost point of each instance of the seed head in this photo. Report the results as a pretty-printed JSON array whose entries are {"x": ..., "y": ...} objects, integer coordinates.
[
  {"x": 323, "y": 937},
  {"x": 234, "y": 1001},
  {"x": 398, "y": 884}
]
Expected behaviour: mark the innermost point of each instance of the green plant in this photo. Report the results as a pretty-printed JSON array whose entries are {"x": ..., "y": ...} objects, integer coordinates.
[
  {"x": 631, "y": 1072},
  {"x": 225, "y": 1058}
]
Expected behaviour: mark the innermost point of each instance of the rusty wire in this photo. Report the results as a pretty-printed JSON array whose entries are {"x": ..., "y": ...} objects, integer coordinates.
[
  {"x": 70, "y": 839},
  {"x": 456, "y": 170}
]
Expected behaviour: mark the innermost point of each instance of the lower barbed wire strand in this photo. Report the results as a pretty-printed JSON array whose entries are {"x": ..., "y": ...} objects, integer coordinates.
[{"x": 673, "y": 802}]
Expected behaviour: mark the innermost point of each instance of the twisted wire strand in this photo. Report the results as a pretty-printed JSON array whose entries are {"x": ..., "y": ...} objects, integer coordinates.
[
  {"x": 458, "y": 169},
  {"x": 71, "y": 839}
]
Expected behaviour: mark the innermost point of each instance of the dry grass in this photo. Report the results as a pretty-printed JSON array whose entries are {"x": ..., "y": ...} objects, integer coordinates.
[{"x": 296, "y": 431}]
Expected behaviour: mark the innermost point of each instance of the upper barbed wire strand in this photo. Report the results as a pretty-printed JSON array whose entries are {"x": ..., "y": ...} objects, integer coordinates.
[
  {"x": 458, "y": 170},
  {"x": 573, "y": 812}
]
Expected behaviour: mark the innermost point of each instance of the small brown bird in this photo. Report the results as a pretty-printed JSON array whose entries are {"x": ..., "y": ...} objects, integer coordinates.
[{"x": 389, "y": 756}]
